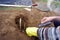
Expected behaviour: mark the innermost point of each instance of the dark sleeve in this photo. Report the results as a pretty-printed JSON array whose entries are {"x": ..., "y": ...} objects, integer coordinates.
[
  {"x": 49, "y": 33},
  {"x": 56, "y": 23}
]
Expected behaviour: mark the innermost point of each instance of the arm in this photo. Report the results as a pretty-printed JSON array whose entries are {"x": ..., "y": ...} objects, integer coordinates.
[
  {"x": 49, "y": 33},
  {"x": 42, "y": 33},
  {"x": 52, "y": 18}
]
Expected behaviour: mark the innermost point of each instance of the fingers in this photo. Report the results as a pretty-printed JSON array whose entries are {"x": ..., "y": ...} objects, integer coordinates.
[
  {"x": 48, "y": 19},
  {"x": 43, "y": 20}
]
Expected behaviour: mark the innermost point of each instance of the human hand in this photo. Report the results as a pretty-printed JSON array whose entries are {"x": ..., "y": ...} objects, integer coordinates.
[{"x": 47, "y": 19}]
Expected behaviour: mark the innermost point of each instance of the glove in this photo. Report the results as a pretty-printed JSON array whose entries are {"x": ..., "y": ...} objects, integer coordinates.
[{"x": 31, "y": 31}]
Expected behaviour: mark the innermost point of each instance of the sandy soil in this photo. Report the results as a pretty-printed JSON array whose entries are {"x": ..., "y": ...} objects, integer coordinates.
[{"x": 9, "y": 23}]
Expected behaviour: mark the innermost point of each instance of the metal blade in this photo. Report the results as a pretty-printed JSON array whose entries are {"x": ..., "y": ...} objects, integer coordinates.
[{"x": 44, "y": 24}]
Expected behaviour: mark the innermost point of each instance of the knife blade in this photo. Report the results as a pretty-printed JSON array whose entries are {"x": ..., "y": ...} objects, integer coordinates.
[{"x": 45, "y": 24}]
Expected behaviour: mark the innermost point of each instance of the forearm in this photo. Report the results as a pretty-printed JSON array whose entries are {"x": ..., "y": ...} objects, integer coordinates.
[{"x": 57, "y": 18}]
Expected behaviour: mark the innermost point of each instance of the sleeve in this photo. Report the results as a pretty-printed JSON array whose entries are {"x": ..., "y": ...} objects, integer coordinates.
[{"x": 49, "y": 33}]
